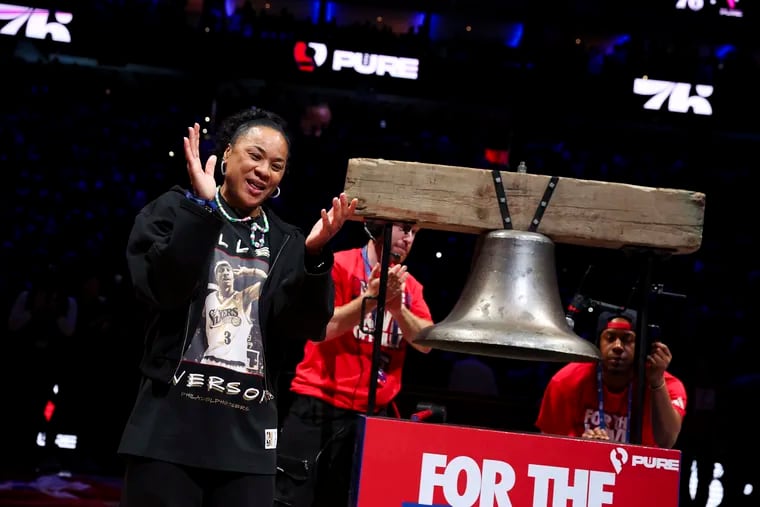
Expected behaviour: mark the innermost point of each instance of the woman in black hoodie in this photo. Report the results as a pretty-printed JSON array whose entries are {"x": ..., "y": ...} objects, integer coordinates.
[{"x": 230, "y": 291}]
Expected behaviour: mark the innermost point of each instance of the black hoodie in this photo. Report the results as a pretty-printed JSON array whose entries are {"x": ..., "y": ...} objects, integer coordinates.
[{"x": 170, "y": 250}]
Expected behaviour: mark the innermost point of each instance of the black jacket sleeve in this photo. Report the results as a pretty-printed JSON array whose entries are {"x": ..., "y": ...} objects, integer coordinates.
[
  {"x": 317, "y": 295},
  {"x": 168, "y": 247},
  {"x": 306, "y": 299}
]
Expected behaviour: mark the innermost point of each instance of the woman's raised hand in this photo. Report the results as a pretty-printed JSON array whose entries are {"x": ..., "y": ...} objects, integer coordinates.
[
  {"x": 201, "y": 180},
  {"x": 330, "y": 223}
]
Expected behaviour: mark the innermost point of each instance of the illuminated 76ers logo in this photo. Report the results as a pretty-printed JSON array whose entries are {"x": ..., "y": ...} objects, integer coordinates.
[
  {"x": 677, "y": 95},
  {"x": 310, "y": 55},
  {"x": 36, "y": 23}
]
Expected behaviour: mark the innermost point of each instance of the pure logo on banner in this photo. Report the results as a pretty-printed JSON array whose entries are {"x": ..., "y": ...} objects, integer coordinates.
[
  {"x": 35, "y": 23},
  {"x": 310, "y": 55}
]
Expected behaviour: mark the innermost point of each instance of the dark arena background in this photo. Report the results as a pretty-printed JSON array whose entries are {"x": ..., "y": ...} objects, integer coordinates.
[{"x": 98, "y": 95}]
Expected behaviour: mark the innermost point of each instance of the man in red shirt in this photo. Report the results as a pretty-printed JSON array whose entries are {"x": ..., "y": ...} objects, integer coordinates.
[
  {"x": 593, "y": 400},
  {"x": 331, "y": 384}
]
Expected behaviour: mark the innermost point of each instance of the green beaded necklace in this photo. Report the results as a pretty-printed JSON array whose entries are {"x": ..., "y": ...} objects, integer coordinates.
[{"x": 257, "y": 231}]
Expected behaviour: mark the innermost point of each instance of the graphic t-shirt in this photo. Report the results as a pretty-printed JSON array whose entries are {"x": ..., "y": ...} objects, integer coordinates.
[
  {"x": 218, "y": 410},
  {"x": 571, "y": 404},
  {"x": 338, "y": 370}
]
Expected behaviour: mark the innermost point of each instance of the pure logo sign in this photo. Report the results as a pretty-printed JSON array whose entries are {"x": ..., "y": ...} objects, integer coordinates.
[{"x": 310, "y": 55}]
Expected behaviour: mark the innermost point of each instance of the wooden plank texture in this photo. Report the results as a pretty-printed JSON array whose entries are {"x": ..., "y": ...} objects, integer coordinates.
[{"x": 581, "y": 212}]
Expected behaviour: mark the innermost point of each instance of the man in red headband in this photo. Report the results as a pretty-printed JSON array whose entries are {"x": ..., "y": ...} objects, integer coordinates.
[{"x": 593, "y": 400}]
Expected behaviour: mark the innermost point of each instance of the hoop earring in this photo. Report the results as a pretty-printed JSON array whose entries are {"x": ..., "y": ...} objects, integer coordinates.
[
  {"x": 223, "y": 169},
  {"x": 276, "y": 193}
]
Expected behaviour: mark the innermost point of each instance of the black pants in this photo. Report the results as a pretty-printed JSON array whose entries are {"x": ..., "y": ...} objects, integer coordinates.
[
  {"x": 315, "y": 455},
  {"x": 151, "y": 483}
]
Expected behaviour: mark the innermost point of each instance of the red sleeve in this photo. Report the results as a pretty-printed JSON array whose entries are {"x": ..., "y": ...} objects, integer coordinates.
[
  {"x": 677, "y": 393},
  {"x": 553, "y": 416},
  {"x": 342, "y": 280},
  {"x": 417, "y": 304},
  {"x": 547, "y": 414}
]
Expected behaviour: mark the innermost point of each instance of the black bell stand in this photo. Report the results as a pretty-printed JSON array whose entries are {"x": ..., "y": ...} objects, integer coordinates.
[
  {"x": 642, "y": 346},
  {"x": 647, "y": 292},
  {"x": 377, "y": 333}
]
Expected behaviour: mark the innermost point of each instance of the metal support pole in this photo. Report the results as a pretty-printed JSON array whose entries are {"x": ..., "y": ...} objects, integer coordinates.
[
  {"x": 642, "y": 348},
  {"x": 377, "y": 335}
]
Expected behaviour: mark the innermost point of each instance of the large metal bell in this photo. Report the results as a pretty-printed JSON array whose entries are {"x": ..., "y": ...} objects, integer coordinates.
[{"x": 510, "y": 306}]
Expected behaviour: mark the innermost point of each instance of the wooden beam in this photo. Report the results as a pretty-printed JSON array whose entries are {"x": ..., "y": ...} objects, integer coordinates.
[{"x": 581, "y": 212}]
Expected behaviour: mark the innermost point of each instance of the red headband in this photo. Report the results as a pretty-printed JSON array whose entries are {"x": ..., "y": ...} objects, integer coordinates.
[{"x": 620, "y": 324}]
